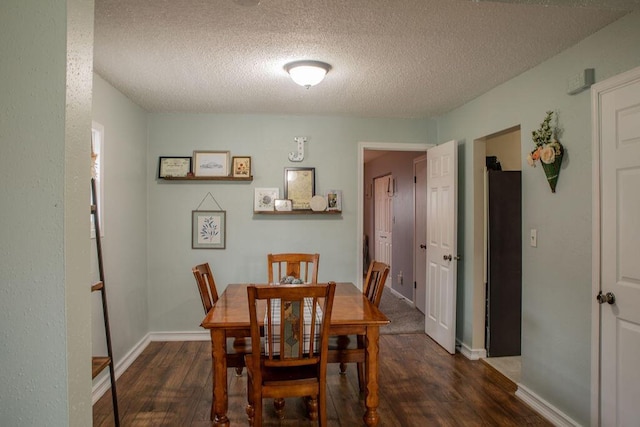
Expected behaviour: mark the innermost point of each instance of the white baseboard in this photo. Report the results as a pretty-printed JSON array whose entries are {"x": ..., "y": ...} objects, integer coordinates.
[
  {"x": 471, "y": 353},
  {"x": 541, "y": 406},
  {"x": 180, "y": 336},
  {"x": 103, "y": 383},
  {"x": 544, "y": 408}
]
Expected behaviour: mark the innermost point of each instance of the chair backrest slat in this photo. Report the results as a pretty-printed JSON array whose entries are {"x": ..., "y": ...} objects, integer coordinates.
[
  {"x": 206, "y": 285},
  {"x": 296, "y": 316},
  {"x": 298, "y": 265},
  {"x": 374, "y": 282}
]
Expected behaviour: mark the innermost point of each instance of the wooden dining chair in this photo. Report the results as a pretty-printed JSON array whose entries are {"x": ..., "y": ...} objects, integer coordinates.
[
  {"x": 238, "y": 343},
  {"x": 345, "y": 349},
  {"x": 292, "y": 357},
  {"x": 297, "y": 265},
  {"x": 206, "y": 285}
]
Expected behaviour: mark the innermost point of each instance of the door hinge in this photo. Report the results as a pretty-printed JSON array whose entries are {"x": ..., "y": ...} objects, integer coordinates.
[
  {"x": 415, "y": 285},
  {"x": 415, "y": 180}
]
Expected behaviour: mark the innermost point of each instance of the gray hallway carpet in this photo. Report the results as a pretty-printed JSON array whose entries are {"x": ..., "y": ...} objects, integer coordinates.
[{"x": 405, "y": 319}]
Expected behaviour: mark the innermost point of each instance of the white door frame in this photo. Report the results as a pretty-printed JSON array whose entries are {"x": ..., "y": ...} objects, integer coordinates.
[
  {"x": 596, "y": 90},
  {"x": 384, "y": 146}
]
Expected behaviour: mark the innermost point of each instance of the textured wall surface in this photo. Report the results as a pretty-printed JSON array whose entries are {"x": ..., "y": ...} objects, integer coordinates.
[
  {"x": 39, "y": 135},
  {"x": 556, "y": 331}
]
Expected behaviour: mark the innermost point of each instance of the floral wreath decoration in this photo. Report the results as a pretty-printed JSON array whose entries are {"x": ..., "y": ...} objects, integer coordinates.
[{"x": 548, "y": 151}]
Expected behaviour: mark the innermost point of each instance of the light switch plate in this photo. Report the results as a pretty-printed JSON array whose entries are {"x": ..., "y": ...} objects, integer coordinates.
[{"x": 534, "y": 238}]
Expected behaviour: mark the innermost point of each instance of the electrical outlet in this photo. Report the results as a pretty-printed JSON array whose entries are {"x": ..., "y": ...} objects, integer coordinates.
[
  {"x": 400, "y": 278},
  {"x": 534, "y": 238}
]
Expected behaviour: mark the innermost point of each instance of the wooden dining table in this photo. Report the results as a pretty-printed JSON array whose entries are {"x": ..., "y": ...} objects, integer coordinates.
[{"x": 352, "y": 314}]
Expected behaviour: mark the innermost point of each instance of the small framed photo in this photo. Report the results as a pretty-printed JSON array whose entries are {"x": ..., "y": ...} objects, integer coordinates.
[
  {"x": 174, "y": 167},
  {"x": 283, "y": 205},
  {"x": 334, "y": 200},
  {"x": 208, "y": 229},
  {"x": 211, "y": 163},
  {"x": 241, "y": 166},
  {"x": 264, "y": 199},
  {"x": 299, "y": 186}
]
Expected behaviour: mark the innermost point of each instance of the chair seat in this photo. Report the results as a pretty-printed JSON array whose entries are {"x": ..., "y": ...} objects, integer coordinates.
[{"x": 306, "y": 374}]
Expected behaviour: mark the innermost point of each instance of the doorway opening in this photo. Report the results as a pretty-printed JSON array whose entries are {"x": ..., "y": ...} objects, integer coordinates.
[
  {"x": 498, "y": 237},
  {"x": 384, "y": 156}
]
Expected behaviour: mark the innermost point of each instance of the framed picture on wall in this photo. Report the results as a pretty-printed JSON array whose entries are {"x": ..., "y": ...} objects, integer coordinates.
[
  {"x": 264, "y": 199},
  {"x": 334, "y": 200},
  {"x": 299, "y": 186},
  {"x": 211, "y": 163},
  {"x": 174, "y": 166},
  {"x": 241, "y": 166},
  {"x": 208, "y": 229},
  {"x": 283, "y": 205}
]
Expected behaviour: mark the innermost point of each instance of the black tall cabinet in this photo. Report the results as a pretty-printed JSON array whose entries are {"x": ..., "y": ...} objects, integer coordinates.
[{"x": 504, "y": 269}]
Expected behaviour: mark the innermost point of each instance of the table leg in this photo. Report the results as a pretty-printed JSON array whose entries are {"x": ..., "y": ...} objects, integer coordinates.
[
  {"x": 219, "y": 403},
  {"x": 372, "y": 338}
]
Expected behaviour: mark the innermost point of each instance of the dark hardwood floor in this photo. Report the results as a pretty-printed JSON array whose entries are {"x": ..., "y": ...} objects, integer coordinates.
[{"x": 420, "y": 385}]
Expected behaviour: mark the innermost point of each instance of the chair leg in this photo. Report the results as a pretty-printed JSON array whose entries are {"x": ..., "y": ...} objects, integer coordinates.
[
  {"x": 251, "y": 408},
  {"x": 213, "y": 408},
  {"x": 278, "y": 405},
  {"x": 361, "y": 377},
  {"x": 322, "y": 409},
  {"x": 343, "y": 368},
  {"x": 312, "y": 407}
]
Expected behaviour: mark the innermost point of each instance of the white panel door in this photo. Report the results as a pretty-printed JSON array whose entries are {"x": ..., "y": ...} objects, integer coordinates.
[
  {"x": 420, "y": 233},
  {"x": 442, "y": 174},
  {"x": 620, "y": 243},
  {"x": 383, "y": 220}
]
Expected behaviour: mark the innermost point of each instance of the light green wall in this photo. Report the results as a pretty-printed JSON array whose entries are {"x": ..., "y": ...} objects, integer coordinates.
[
  {"x": 45, "y": 122},
  {"x": 331, "y": 149},
  {"x": 125, "y": 221},
  {"x": 557, "y": 298}
]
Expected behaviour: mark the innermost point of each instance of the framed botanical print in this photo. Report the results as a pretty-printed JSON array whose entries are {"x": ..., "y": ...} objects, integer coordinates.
[
  {"x": 241, "y": 166},
  {"x": 299, "y": 186},
  {"x": 208, "y": 229}
]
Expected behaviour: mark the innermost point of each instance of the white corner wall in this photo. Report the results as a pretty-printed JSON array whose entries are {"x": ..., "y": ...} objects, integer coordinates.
[{"x": 556, "y": 317}]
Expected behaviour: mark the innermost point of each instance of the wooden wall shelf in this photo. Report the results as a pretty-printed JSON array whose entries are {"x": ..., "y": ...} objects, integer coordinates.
[
  {"x": 298, "y": 212},
  {"x": 208, "y": 178}
]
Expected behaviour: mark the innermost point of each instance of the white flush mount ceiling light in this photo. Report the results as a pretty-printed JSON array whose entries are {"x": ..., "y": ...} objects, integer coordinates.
[
  {"x": 247, "y": 2},
  {"x": 307, "y": 73}
]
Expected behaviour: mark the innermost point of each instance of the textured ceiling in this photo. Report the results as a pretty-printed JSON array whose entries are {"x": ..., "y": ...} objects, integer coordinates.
[{"x": 400, "y": 58}]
